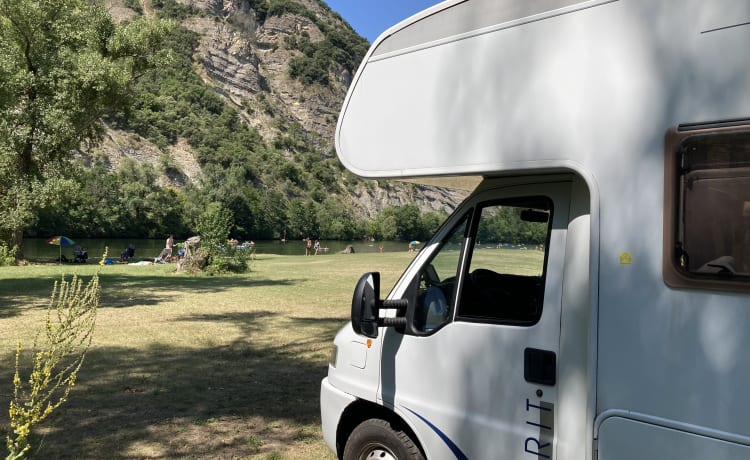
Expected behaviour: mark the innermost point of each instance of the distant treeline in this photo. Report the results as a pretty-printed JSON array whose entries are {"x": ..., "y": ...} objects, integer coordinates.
[{"x": 129, "y": 203}]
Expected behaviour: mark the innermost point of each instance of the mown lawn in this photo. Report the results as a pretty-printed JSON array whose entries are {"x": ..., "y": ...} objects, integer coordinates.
[{"x": 194, "y": 366}]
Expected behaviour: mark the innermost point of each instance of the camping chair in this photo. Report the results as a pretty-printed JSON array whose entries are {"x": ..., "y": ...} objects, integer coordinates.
[
  {"x": 165, "y": 256},
  {"x": 80, "y": 255},
  {"x": 128, "y": 253}
]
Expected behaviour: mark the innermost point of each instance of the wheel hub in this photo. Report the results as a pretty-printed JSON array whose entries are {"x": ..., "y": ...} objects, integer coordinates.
[{"x": 378, "y": 453}]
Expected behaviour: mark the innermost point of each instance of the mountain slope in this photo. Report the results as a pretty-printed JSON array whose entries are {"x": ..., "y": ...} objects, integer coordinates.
[{"x": 252, "y": 93}]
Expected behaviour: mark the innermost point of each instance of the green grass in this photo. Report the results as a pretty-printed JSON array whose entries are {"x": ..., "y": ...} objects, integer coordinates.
[
  {"x": 194, "y": 366},
  {"x": 509, "y": 261},
  {"x": 199, "y": 367}
]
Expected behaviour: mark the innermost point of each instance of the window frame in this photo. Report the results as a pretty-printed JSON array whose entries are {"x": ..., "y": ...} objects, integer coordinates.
[
  {"x": 673, "y": 274},
  {"x": 412, "y": 293},
  {"x": 514, "y": 201}
]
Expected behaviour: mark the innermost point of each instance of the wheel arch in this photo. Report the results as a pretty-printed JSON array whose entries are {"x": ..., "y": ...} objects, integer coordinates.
[{"x": 361, "y": 410}]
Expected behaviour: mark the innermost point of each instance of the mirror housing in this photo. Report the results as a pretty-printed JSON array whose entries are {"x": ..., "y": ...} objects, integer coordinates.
[{"x": 365, "y": 305}]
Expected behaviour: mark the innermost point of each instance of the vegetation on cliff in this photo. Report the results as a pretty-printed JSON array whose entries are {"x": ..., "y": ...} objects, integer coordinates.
[{"x": 286, "y": 184}]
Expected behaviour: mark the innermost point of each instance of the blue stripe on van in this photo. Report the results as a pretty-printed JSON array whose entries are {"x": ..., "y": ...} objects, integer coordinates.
[{"x": 451, "y": 445}]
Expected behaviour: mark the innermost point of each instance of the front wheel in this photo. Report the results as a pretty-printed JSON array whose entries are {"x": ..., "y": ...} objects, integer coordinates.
[{"x": 376, "y": 439}]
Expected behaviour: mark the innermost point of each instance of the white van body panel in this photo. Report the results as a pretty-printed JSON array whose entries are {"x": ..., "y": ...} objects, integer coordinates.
[
  {"x": 521, "y": 93},
  {"x": 657, "y": 441},
  {"x": 587, "y": 89},
  {"x": 333, "y": 401}
]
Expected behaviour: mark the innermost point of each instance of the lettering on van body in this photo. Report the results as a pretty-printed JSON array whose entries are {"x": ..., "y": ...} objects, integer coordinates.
[{"x": 542, "y": 416}]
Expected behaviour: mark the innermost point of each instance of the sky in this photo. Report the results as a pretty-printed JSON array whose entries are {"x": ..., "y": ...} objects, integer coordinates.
[{"x": 372, "y": 17}]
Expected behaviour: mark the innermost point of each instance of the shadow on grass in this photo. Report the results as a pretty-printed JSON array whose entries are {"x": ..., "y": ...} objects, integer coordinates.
[
  {"x": 9, "y": 309},
  {"x": 120, "y": 291},
  {"x": 125, "y": 291},
  {"x": 223, "y": 401}
]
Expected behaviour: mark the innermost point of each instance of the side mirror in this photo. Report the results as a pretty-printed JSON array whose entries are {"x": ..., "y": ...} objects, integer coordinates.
[{"x": 365, "y": 305}]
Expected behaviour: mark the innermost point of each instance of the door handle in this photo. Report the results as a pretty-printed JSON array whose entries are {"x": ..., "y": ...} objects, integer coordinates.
[{"x": 540, "y": 366}]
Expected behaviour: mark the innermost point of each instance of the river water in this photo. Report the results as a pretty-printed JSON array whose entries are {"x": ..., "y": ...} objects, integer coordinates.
[{"x": 37, "y": 249}]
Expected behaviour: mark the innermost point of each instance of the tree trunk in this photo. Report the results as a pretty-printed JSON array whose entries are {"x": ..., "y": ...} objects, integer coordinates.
[{"x": 16, "y": 240}]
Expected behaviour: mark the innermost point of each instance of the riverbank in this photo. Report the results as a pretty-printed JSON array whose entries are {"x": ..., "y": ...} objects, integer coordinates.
[{"x": 37, "y": 250}]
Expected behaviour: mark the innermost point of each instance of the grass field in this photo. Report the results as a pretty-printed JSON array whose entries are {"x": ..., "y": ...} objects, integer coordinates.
[
  {"x": 194, "y": 366},
  {"x": 197, "y": 366}
]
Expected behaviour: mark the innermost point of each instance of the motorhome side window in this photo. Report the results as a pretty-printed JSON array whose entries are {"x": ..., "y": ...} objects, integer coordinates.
[
  {"x": 505, "y": 278},
  {"x": 711, "y": 239}
]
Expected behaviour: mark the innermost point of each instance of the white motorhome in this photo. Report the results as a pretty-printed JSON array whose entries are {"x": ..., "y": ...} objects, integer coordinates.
[{"x": 591, "y": 298}]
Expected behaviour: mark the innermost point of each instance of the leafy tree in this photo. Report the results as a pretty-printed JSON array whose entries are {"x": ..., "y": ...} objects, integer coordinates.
[
  {"x": 302, "y": 219},
  {"x": 79, "y": 212},
  {"x": 388, "y": 227},
  {"x": 431, "y": 221},
  {"x": 63, "y": 65},
  {"x": 124, "y": 204},
  {"x": 384, "y": 226},
  {"x": 274, "y": 211},
  {"x": 409, "y": 222},
  {"x": 405, "y": 223},
  {"x": 335, "y": 220},
  {"x": 401, "y": 223},
  {"x": 213, "y": 227},
  {"x": 506, "y": 226}
]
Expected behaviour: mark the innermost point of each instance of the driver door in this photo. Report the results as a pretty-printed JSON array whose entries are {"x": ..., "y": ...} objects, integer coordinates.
[{"x": 476, "y": 376}]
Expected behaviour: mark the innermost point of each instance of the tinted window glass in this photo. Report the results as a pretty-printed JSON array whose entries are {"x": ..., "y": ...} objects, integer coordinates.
[
  {"x": 713, "y": 216},
  {"x": 505, "y": 279}
]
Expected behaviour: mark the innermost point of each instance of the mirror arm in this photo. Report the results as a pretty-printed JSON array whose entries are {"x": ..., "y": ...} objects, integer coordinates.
[
  {"x": 400, "y": 306},
  {"x": 366, "y": 307},
  {"x": 398, "y": 321}
]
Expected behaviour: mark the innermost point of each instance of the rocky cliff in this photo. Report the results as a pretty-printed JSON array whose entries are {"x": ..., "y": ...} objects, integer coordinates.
[{"x": 246, "y": 53}]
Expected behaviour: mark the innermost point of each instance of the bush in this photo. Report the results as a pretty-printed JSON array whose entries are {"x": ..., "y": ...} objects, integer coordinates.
[
  {"x": 229, "y": 260},
  {"x": 172, "y": 10},
  {"x": 309, "y": 70},
  {"x": 7, "y": 255}
]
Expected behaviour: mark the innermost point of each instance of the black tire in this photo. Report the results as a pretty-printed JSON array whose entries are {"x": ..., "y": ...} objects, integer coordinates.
[{"x": 376, "y": 439}]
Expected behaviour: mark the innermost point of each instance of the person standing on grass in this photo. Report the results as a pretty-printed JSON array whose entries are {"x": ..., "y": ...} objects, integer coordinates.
[
  {"x": 168, "y": 247},
  {"x": 308, "y": 246}
]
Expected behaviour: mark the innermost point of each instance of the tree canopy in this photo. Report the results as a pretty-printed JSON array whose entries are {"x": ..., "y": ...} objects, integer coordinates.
[{"x": 64, "y": 64}]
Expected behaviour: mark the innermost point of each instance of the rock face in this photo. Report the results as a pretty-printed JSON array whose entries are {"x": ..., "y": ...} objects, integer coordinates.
[{"x": 246, "y": 61}]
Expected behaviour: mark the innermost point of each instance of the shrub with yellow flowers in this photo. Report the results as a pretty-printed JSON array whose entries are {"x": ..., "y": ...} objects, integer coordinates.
[{"x": 57, "y": 355}]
